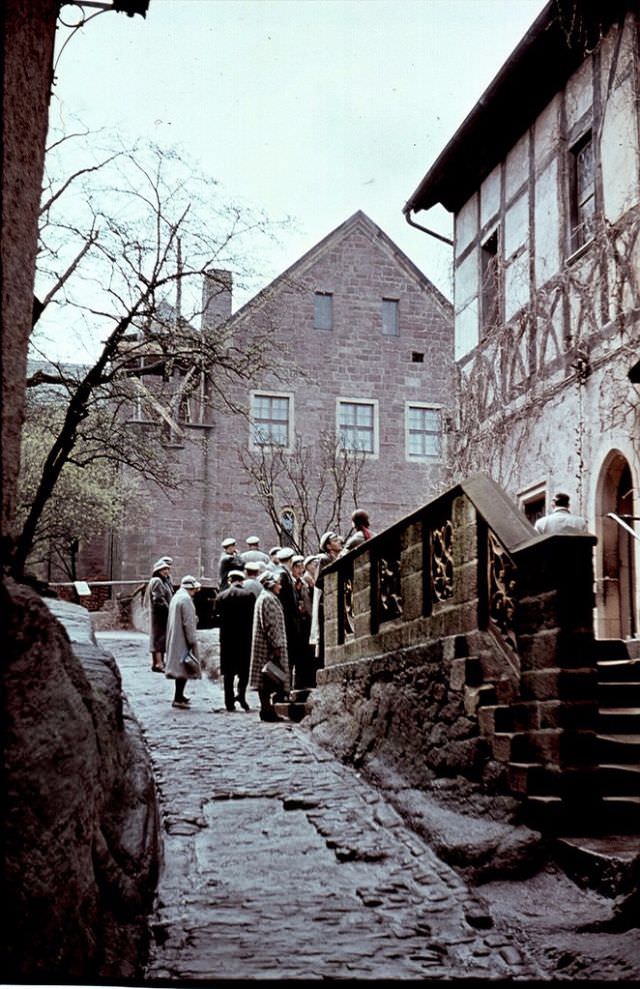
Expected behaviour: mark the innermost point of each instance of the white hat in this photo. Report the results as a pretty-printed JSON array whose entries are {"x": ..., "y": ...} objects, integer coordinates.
[
  {"x": 160, "y": 565},
  {"x": 228, "y": 542},
  {"x": 168, "y": 560},
  {"x": 298, "y": 559},
  {"x": 327, "y": 537},
  {"x": 190, "y": 581},
  {"x": 252, "y": 540},
  {"x": 253, "y": 565},
  {"x": 286, "y": 553},
  {"x": 236, "y": 573}
]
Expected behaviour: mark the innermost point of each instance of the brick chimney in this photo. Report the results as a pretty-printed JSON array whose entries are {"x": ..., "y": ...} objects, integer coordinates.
[{"x": 216, "y": 297}]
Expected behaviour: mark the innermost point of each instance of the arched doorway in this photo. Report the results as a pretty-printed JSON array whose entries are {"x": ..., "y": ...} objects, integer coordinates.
[{"x": 616, "y": 605}]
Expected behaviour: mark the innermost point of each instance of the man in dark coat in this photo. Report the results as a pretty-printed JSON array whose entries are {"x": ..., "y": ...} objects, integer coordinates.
[
  {"x": 234, "y": 613},
  {"x": 289, "y": 602},
  {"x": 230, "y": 559}
]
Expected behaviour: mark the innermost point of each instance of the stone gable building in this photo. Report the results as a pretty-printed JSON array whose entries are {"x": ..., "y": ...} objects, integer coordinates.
[
  {"x": 545, "y": 192},
  {"x": 363, "y": 346}
]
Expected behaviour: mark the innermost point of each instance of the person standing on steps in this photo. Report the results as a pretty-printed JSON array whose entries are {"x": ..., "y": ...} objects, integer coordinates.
[
  {"x": 160, "y": 593},
  {"x": 561, "y": 519},
  {"x": 182, "y": 639},
  {"x": 234, "y": 612},
  {"x": 268, "y": 645}
]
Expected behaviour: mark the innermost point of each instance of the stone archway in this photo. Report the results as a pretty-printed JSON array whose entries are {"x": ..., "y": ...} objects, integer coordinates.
[{"x": 616, "y": 598}]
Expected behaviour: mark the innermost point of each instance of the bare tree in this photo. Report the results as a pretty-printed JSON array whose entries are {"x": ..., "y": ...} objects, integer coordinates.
[
  {"x": 314, "y": 482},
  {"x": 119, "y": 239}
]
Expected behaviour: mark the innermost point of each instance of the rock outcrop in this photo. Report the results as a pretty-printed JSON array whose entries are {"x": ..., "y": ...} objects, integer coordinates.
[{"x": 80, "y": 819}]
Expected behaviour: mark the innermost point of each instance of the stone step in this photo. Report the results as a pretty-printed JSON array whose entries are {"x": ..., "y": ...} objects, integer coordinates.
[
  {"x": 616, "y": 693},
  {"x": 617, "y": 781},
  {"x": 585, "y": 816},
  {"x": 617, "y": 670},
  {"x": 608, "y": 649},
  {"x": 618, "y": 720},
  {"x": 618, "y": 748},
  {"x": 605, "y": 863}
]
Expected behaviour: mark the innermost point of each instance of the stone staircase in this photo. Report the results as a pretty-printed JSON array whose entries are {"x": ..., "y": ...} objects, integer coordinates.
[{"x": 599, "y": 795}]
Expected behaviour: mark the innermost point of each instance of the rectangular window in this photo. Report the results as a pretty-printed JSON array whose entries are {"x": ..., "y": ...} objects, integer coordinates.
[
  {"x": 270, "y": 419},
  {"x": 582, "y": 192},
  {"x": 358, "y": 426},
  {"x": 490, "y": 289},
  {"x": 423, "y": 432},
  {"x": 390, "y": 317},
  {"x": 323, "y": 311},
  {"x": 533, "y": 500}
]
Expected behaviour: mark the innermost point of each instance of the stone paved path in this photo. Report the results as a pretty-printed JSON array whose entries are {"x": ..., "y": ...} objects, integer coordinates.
[{"x": 281, "y": 863}]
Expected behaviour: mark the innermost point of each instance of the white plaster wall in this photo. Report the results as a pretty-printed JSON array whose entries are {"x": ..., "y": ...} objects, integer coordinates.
[
  {"x": 547, "y": 224},
  {"x": 578, "y": 94},
  {"x": 466, "y": 225},
  {"x": 466, "y": 280},
  {"x": 517, "y": 166},
  {"x": 619, "y": 150},
  {"x": 490, "y": 196},
  {"x": 467, "y": 324},
  {"x": 547, "y": 133},
  {"x": 516, "y": 225},
  {"x": 516, "y": 285}
]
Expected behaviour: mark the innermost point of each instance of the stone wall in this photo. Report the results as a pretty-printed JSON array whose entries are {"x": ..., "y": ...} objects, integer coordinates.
[
  {"x": 28, "y": 32},
  {"x": 81, "y": 830},
  {"x": 487, "y": 670}
]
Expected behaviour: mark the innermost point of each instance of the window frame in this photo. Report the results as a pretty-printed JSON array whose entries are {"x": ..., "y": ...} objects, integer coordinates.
[
  {"x": 374, "y": 405},
  {"x": 529, "y": 496},
  {"x": 267, "y": 393},
  {"x": 316, "y": 325},
  {"x": 423, "y": 458},
  {"x": 579, "y": 234},
  {"x": 386, "y": 301},
  {"x": 491, "y": 283}
]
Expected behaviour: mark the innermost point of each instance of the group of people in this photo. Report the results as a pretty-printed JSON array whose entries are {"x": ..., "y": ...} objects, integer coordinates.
[{"x": 268, "y": 610}]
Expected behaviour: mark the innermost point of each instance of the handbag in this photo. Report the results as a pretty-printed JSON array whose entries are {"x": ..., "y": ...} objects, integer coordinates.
[
  {"x": 192, "y": 663},
  {"x": 274, "y": 672}
]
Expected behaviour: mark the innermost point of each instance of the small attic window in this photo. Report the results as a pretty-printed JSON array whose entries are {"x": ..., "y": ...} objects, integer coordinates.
[{"x": 417, "y": 357}]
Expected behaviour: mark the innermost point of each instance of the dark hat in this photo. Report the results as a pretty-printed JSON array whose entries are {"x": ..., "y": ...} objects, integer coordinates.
[{"x": 269, "y": 578}]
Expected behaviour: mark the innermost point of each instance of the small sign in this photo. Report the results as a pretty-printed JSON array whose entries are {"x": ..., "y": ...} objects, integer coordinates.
[{"x": 82, "y": 588}]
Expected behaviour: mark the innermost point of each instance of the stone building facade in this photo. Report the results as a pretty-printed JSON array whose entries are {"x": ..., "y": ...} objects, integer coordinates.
[
  {"x": 361, "y": 346},
  {"x": 545, "y": 192},
  {"x": 28, "y": 33}
]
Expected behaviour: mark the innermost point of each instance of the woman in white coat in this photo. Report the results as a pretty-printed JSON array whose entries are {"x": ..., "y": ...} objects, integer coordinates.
[{"x": 181, "y": 639}]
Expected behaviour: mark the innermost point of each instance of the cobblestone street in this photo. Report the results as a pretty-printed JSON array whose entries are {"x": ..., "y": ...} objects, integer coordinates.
[{"x": 281, "y": 863}]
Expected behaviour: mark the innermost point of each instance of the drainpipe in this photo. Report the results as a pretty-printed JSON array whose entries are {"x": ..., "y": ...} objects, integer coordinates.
[{"x": 418, "y": 226}]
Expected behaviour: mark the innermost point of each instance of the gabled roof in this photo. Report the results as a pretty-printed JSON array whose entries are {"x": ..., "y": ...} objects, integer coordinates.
[
  {"x": 549, "y": 53},
  {"x": 299, "y": 267}
]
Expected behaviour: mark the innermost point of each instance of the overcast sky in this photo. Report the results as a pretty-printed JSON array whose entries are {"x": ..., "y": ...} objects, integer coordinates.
[{"x": 307, "y": 108}]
